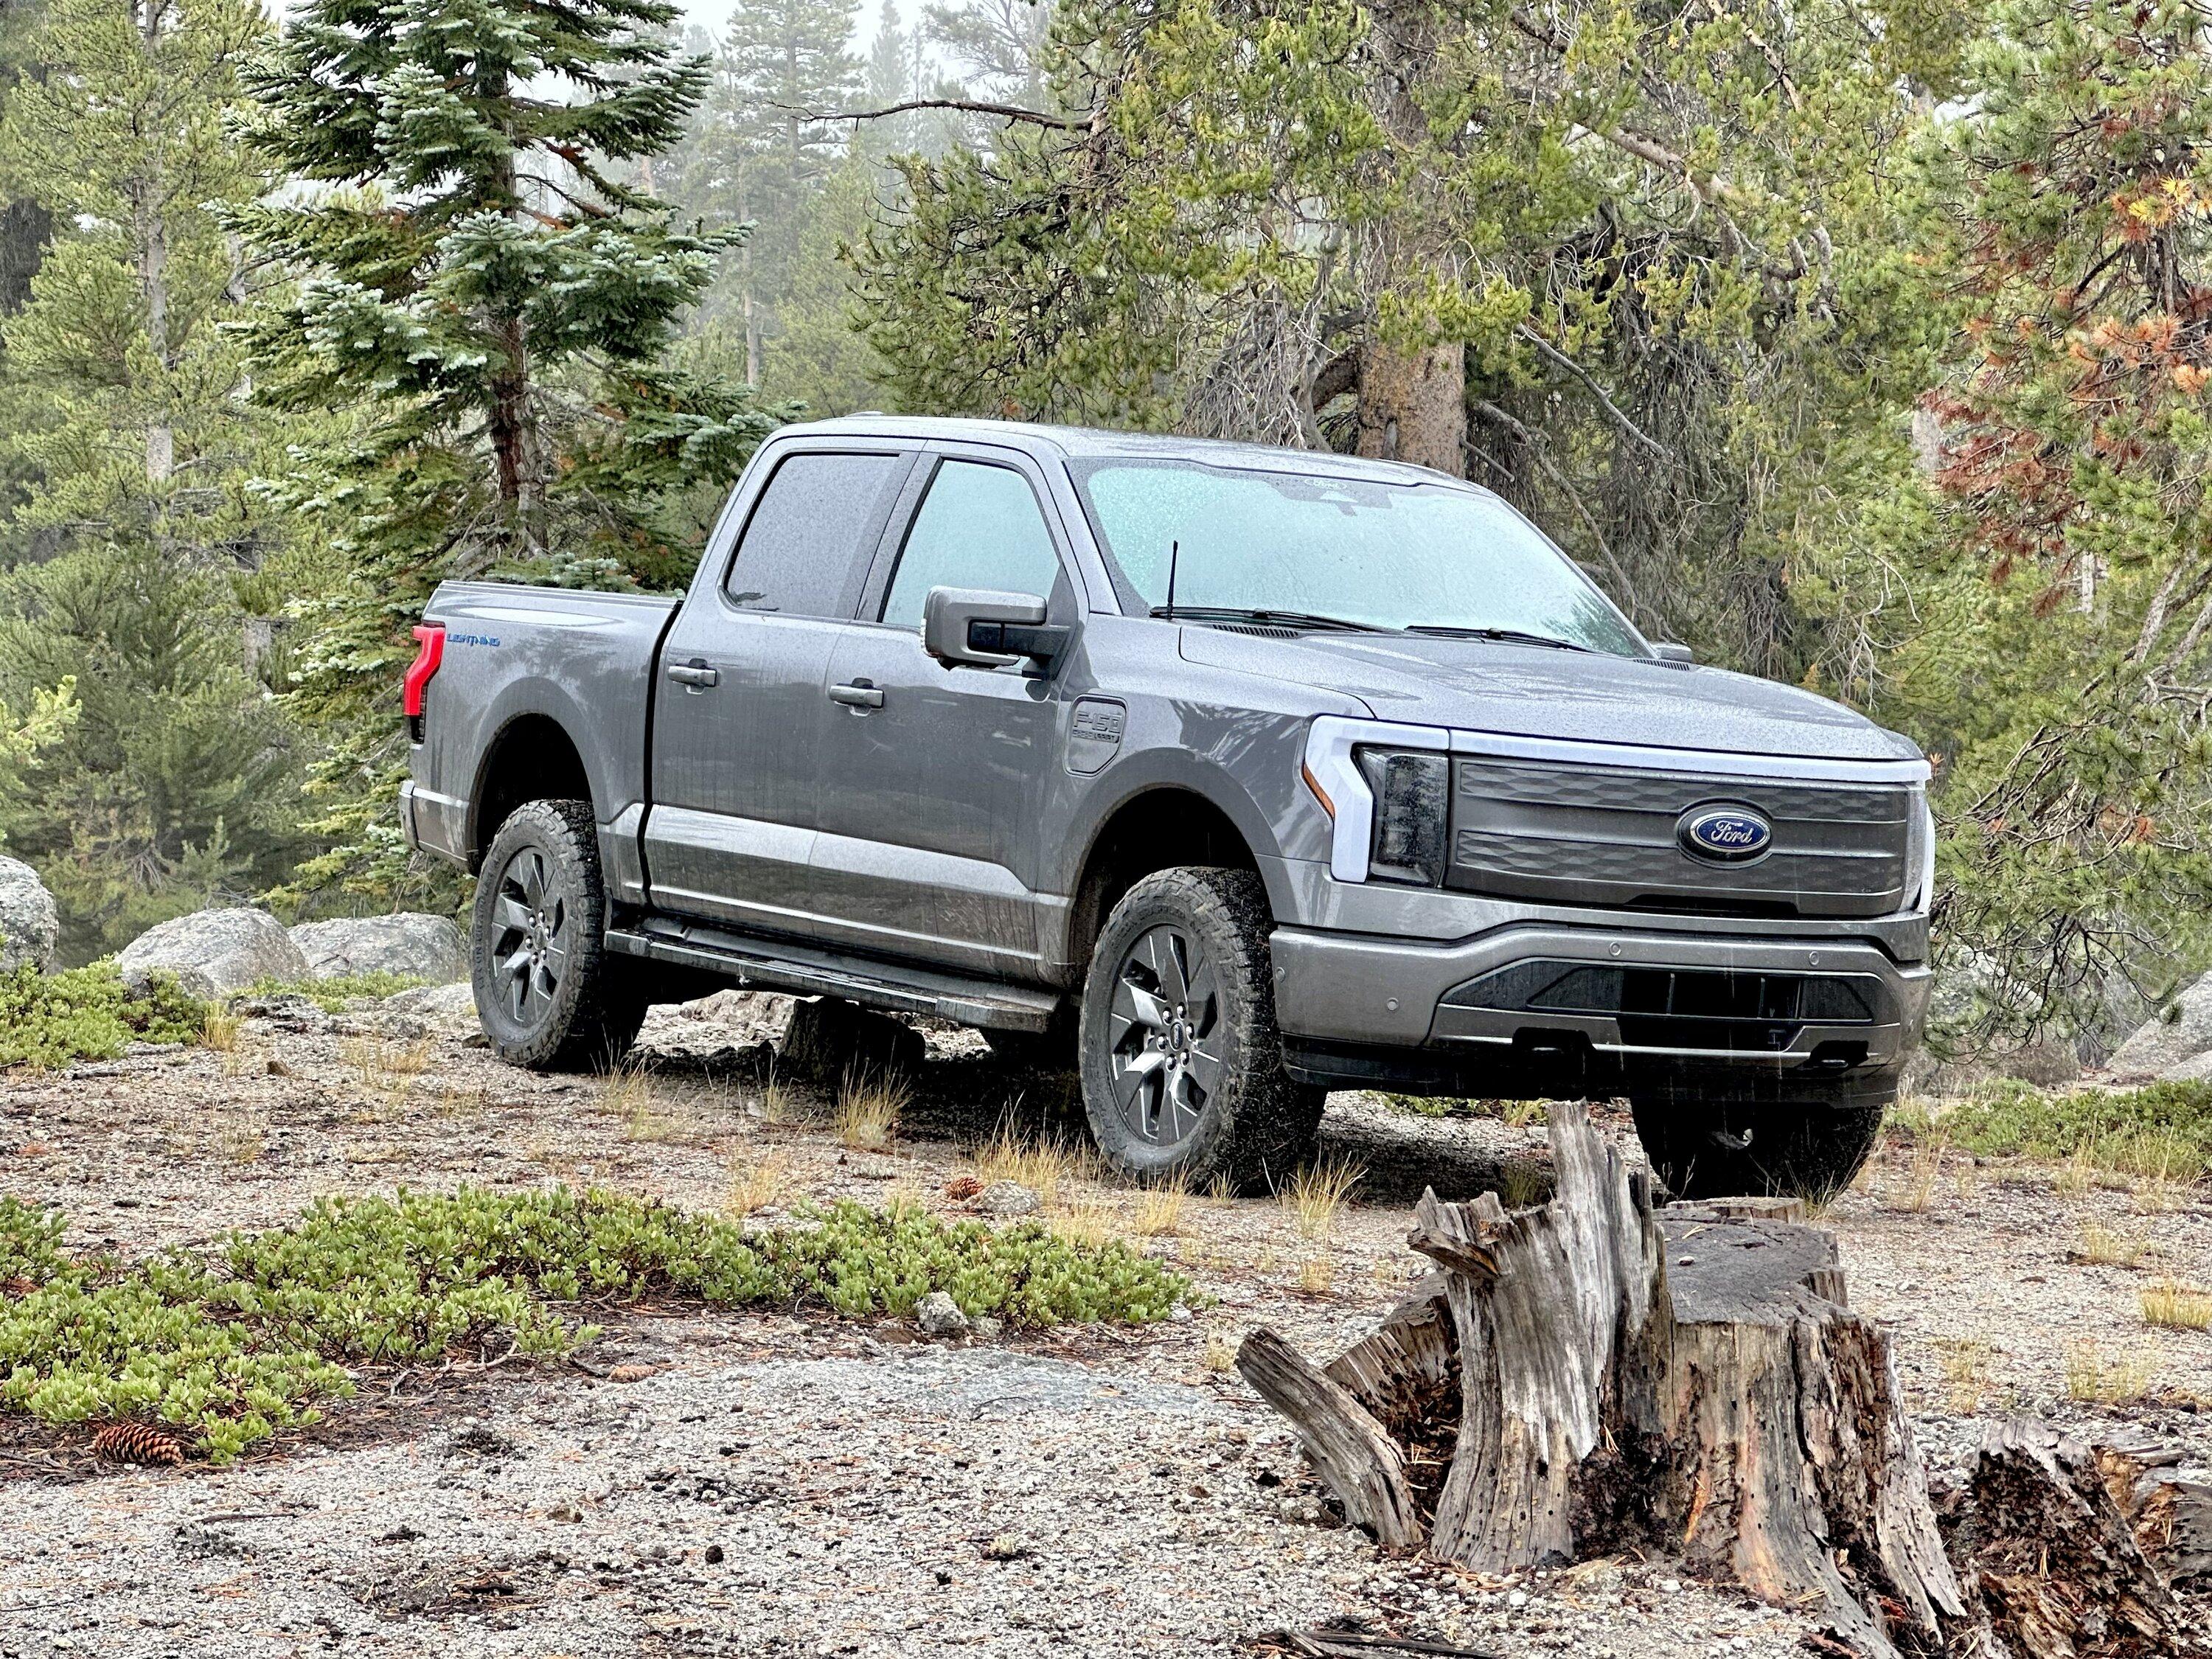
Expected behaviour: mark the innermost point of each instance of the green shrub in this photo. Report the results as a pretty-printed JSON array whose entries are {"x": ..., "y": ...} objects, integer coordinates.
[
  {"x": 333, "y": 994},
  {"x": 252, "y": 1337},
  {"x": 88, "y": 1013},
  {"x": 2162, "y": 1129}
]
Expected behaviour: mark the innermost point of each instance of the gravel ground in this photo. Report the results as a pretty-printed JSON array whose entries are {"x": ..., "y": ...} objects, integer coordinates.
[{"x": 772, "y": 1486}]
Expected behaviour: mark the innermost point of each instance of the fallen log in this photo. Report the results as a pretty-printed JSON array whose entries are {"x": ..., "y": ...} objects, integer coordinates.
[{"x": 1596, "y": 1375}]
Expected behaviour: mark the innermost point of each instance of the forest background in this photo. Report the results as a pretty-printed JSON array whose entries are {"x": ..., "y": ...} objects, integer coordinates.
[{"x": 1864, "y": 344}]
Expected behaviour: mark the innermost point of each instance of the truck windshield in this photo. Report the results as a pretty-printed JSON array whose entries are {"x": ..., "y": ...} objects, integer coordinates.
[{"x": 1306, "y": 549}]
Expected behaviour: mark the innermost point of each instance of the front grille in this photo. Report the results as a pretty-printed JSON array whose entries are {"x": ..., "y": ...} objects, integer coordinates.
[
  {"x": 1706, "y": 1009},
  {"x": 1606, "y": 836}
]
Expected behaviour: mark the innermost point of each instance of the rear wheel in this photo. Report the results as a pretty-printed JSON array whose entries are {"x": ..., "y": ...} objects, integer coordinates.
[
  {"x": 545, "y": 988},
  {"x": 1811, "y": 1147},
  {"x": 1181, "y": 1067}
]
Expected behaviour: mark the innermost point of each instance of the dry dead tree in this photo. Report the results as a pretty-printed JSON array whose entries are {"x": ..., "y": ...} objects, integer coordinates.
[{"x": 1595, "y": 1374}]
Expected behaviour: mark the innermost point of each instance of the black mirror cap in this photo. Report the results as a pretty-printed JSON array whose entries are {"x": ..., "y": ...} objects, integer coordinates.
[{"x": 979, "y": 628}]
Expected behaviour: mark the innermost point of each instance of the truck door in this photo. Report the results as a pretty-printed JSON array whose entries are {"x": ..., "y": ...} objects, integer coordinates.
[
  {"x": 739, "y": 713},
  {"x": 932, "y": 777}
]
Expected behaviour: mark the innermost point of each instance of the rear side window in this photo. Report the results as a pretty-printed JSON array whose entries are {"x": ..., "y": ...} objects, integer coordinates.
[
  {"x": 812, "y": 532},
  {"x": 979, "y": 527}
]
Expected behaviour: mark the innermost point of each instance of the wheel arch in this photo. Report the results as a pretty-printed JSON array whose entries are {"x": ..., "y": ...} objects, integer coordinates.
[
  {"x": 531, "y": 757},
  {"x": 1159, "y": 825}
]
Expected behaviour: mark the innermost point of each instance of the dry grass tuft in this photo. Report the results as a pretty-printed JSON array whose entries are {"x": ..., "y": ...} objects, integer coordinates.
[
  {"x": 242, "y": 1139},
  {"x": 1220, "y": 1352},
  {"x": 1922, "y": 1174},
  {"x": 1036, "y": 1161},
  {"x": 1966, "y": 1381},
  {"x": 219, "y": 1031},
  {"x": 1086, "y": 1221},
  {"x": 1222, "y": 1190},
  {"x": 1160, "y": 1210},
  {"x": 866, "y": 1117},
  {"x": 755, "y": 1184},
  {"x": 782, "y": 1105},
  {"x": 2103, "y": 1247},
  {"x": 1317, "y": 1274},
  {"x": 2091, "y": 1377},
  {"x": 1318, "y": 1193},
  {"x": 2177, "y": 1306}
]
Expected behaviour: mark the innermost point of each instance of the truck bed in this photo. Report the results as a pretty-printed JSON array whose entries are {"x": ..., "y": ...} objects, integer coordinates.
[{"x": 517, "y": 657}]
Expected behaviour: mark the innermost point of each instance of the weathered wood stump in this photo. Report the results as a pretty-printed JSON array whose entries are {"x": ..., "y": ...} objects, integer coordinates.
[{"x": 1595, "y": 1374}]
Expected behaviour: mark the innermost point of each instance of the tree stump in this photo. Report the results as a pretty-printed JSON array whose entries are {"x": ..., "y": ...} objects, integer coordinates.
[
  {"x": 1595, "y": 1374},
  {"x": 830, "y": 1040}
]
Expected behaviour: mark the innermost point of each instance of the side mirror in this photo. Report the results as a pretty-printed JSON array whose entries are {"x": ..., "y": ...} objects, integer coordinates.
[
  {"x": 1668, "y": 651},
  {"x": 983, "y": 629}
]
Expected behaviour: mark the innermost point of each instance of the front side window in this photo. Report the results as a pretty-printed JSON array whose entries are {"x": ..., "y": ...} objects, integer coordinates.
[
  {"x": 811, "y": 533},
  {"x": 1417, "y": 557},
  {"x": 978, "y": 527}
]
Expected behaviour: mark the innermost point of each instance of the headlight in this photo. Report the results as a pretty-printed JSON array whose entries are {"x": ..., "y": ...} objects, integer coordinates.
[{"x": 1413, "y": 811}]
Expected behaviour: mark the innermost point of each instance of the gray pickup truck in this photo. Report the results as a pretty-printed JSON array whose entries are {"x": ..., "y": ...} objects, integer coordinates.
[{"x": 1231, "y": 775}]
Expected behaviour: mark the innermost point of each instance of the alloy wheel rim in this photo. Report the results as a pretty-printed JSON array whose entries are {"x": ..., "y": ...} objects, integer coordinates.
[
  {"x": 530, "y": 939},
  {"x": 1165, "y": 1031}
]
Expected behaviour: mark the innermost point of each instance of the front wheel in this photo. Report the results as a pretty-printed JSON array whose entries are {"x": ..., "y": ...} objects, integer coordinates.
[
  {"x": 1181, "y": 1067},
  {"x": 1808, "y": 1148},
  {"x": 544, "y": 985}
]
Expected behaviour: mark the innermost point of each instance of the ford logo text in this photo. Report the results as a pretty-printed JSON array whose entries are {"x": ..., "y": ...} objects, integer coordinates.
[{"x": 1724, "y": 835}]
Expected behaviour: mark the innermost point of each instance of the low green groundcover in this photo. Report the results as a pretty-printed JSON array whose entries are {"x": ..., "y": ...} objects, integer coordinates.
[
  {"x": 88, "y": 1014},
  {"x": 234, "y": 1344},
  {"x": 2161, "y": 1129}
]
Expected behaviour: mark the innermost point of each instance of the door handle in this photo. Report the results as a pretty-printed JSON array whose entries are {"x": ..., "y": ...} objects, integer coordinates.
[
  {"x": 859, "y": 695},
  {"x": 696, "y": 674}
]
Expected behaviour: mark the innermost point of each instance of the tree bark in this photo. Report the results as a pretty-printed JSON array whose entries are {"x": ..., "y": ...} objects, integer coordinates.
[
  {"x": 149, "y": 207},
  {"x": 1609, "y": 1377},
  {"x": 1412, "y": 405}
]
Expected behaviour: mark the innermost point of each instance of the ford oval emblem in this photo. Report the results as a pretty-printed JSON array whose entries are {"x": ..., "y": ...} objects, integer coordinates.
[{"x": 1724, "y": 835}]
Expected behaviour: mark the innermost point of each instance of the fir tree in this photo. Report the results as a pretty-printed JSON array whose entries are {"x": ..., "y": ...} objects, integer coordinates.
[
  {"x": 141, "y": 555},
  {"x": 489, "y": 293}
]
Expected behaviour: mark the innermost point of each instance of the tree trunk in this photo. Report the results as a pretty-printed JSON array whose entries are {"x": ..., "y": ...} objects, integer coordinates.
[
  {"x": 1607, "y": 1377},
  {"x": 153, "y": 236},
  {"x": 1412, "y": 405}
]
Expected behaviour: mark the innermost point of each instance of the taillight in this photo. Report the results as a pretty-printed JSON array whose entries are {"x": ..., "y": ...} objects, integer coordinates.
[{"x": 429, "y": 652}]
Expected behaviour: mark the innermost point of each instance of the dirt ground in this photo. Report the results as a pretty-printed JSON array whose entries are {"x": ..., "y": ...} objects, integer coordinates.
[{"x": 773, "y": 1485}]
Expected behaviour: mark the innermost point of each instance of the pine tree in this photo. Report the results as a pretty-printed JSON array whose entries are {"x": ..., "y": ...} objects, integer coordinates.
[
  {"x": 761, "y": 155},
  {"x": 141, "y": 555},
  {"x": 2074, "y": 531},
  {"x": 489, "y": 293}
]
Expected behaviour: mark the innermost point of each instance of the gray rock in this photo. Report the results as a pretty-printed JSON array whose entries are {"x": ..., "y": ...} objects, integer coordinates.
[
  {"x": 415, "y": 945},
  {"x": 30, "y": 925},
  {"x": 1007, "y": 1198},
  {"x": 938, "y": 1315},
  {"x": 2173, "y": 1037},
  {"x": 215, "y": 953},
  {"x": 451, "y": 1006}
]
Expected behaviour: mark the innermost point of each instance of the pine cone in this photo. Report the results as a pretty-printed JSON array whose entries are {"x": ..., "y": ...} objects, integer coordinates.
[
  {"x": 137, "y": 1442},
  {"x": 18, "y": 1287},
  {"x": 961, "y": 1189}
]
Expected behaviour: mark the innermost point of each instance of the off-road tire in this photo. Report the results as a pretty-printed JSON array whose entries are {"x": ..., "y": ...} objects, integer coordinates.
[
  {"x": 1811, "y": 1147},
  {"x": 590, "y": 1017},
  {"x": 1255, "y": 1124}
]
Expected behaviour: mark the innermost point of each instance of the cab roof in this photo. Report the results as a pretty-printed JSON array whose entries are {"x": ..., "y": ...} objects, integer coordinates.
[{"x": 1086, "y": 443}]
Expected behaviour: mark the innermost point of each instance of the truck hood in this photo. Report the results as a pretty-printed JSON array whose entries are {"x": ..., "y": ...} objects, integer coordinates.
[{"x": 1482, "y": 685}]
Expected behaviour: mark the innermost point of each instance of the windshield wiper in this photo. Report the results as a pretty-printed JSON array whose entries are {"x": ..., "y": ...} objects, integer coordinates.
[
  {"x": 1509, "y": 635},
  {"x": 1280, "y": 618}
]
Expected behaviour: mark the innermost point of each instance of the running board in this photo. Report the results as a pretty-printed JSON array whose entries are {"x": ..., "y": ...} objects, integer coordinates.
[{"x": 784, "y": 966}]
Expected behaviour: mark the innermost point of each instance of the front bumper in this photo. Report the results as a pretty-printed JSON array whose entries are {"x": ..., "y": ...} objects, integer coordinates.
[{"x": 1538, "y": 999}]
